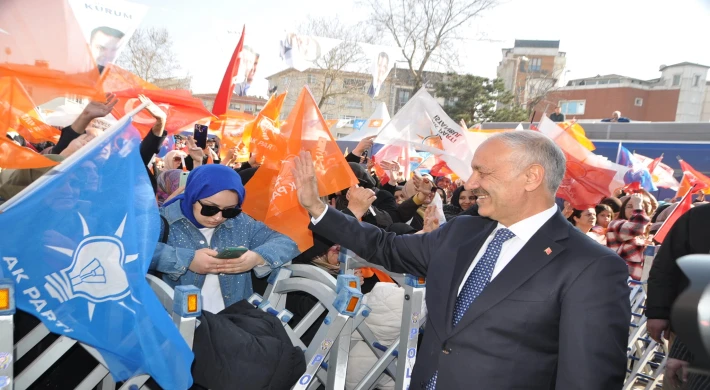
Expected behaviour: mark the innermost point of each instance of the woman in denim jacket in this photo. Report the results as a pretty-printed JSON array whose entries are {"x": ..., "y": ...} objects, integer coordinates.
[{"x": 206, "y": 219}]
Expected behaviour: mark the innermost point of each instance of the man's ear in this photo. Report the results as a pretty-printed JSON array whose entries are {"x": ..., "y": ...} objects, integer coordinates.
[{"x": 534, "y": 177}]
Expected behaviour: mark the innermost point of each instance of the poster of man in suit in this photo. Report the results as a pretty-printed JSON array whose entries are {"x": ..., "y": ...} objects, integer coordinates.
[{"x": 107, "y": 26}]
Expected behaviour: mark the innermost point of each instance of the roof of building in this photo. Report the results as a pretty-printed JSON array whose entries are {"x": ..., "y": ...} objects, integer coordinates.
[
  {"x": 234, "y": 99},
  {"x": 682, "y": 64},
  {"x": 537, "y": 44},
  {"x": 612, "y": 76}
]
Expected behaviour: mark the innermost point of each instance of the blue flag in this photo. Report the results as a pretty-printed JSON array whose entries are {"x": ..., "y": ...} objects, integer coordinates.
[
  {"x": 167, "y": 146},
  {"x": 638, "y": 172},
  {"x": 78, "y": 243}
]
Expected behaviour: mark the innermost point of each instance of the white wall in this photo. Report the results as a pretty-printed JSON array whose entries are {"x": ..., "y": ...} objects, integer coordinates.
[
  {"x": 691, "y": 98},
  {"x": 535, "y": 51},
  {"x": 506, "y": 71},
  {"x": 705, "y": 117}
]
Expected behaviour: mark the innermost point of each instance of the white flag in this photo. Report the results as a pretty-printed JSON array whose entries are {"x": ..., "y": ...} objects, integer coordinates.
[
  {"x": 423, "y": 125},
  {"x": 374, "y": 124}
]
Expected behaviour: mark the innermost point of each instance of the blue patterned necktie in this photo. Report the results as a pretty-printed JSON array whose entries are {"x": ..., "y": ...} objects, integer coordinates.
[{"x": 476, "y": 282}]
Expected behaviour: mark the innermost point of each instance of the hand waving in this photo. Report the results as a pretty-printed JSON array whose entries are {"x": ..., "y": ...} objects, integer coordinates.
[
  {"x": 195, "y": 152},
  {"x": 93, "y": 110},
  {"x": 306, "y": 184},
  {"x": 359, "y": 200},
  {"x": 97, "y": 109},
  {"x": 160, "y": 116},
  {"x": 431, "y": 220}
]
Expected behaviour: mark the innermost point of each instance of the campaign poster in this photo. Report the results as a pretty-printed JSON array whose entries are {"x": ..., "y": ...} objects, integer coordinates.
[{"x": 107, "y": 25}]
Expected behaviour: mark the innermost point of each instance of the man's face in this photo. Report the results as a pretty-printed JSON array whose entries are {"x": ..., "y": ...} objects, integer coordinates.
[
  {"x": 497, "y": 181},
  {"x": 382, "y": 63},
  {"x": 558, "y": 110},
  {"x": 615, "y": 115},
  {"x": 104, "y": 48}
]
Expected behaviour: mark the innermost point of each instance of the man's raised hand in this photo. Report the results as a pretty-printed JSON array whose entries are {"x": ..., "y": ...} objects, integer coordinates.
[{"x": 304, "y": 175}]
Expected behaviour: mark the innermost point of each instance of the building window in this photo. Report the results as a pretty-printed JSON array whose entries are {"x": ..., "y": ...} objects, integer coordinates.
[
  {"x": 696, "y": 80},
  {"x": 249, "y": 108},
  {"x": 638, "y": 102},
  {"x": 403, "y": 96},
  {"x": 258, "y": 108},
  {"x": 353, "y": 103},
  {"x": 572, "y": 107},
  {"x": 676, "y": 80},
  {"x": 354, "y": 84},
  {"x": 311, "y": 80},
  {"x": 535, "y": 64},
  {"x": 234, "y": 106}
]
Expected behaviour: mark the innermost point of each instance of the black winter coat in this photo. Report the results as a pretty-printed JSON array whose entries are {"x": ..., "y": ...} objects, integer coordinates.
[{"x": 245, "y": 348}]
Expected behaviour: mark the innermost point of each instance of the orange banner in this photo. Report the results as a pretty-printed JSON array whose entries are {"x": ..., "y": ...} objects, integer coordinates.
[
  {"x": 17, "y": 113},
  {"x": 14, "y": 156},
  {"x": 44, "y": 48},
  {"x": 271, "y": 192}
]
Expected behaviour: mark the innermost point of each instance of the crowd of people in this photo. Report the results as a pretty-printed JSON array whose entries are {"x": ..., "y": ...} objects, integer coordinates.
[{"x": 554, "y": 307}]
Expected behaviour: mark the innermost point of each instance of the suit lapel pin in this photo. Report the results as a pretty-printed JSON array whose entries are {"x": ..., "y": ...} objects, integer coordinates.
[{"x": 548, "y": 251}]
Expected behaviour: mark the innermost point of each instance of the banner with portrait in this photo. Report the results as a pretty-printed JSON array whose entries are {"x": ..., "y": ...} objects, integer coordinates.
[
  {"x": 302, "y": 52},
  {"x": 107, "y": 25}
]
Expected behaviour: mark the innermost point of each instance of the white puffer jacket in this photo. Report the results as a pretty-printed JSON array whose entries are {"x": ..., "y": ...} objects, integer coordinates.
[{"x": 385, "y": 320}]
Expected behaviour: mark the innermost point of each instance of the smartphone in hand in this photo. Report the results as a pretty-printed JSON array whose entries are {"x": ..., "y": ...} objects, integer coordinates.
[
  {"x": 201, "y": 135},
  {"x": 183, "y": 178},
  {"x": 231, "y": 253}
]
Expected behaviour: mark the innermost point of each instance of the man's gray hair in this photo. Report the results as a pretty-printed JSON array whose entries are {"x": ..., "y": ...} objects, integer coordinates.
[{"x": 532, "y": 147}]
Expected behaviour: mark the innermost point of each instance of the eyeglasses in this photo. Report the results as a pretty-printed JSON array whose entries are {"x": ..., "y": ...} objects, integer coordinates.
[{"x": 208, "y": 211}]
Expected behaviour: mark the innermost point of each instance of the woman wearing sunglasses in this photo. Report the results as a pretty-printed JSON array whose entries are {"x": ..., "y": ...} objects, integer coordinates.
[{"x": 206, "y": 219}]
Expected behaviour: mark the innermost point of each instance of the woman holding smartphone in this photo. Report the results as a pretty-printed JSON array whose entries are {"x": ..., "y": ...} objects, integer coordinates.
[{"x": 206, "y": 220}]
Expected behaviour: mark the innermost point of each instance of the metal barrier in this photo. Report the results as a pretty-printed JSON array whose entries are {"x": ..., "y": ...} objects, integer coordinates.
[
  {"x": 646, "y": 357},
  {"x": 184, "y": 304},
  {"x": 327, "y": 355}
]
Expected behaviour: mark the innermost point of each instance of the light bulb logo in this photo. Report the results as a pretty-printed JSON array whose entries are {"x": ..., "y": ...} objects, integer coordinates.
[{"x": 96, "y": 273}]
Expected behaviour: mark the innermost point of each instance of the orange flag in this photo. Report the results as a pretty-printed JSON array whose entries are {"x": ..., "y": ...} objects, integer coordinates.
[
  {"x": 14, "y": 156},
  {"x": 272, "y": 108},
  {"x": 691, "y": 179},
  {"x": 44, "y": 48},
  {"x": 17, "y": 113},
  {"x": 577, "y": 132},
  {"x": 181, "y": 107},
  {"x": 271, "y": 193},
  {"x": 258, "y": 135},
  {"x": 231, "y": 127}
]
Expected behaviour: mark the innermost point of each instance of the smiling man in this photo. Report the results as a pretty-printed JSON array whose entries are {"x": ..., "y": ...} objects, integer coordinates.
[
  {"x": 104, "y": 44},
  {"x": 517, "y": 298}
]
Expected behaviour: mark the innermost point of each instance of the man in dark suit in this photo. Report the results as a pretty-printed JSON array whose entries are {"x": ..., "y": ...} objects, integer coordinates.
[{"x": 519, "y": 299}]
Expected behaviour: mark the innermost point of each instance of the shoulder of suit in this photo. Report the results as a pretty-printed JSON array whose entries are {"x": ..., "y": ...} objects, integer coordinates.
[
  {"x": 583, "y": 247},
  {"x": 469, "y": 221}
]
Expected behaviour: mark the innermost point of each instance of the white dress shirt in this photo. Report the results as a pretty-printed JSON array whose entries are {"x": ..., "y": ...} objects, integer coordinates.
[
  {"x": 523, "y": 230},
  {"x": 212, "y": 300}
]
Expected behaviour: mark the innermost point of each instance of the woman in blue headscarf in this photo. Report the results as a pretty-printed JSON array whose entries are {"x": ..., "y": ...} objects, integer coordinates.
[{"x": 206, "y": 219}]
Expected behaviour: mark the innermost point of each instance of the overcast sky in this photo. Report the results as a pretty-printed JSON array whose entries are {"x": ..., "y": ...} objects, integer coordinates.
[{"x": 627, "y": 37}]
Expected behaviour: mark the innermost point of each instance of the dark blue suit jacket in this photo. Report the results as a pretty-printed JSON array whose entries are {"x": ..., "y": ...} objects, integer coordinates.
[{"x": 547, "y": 321}]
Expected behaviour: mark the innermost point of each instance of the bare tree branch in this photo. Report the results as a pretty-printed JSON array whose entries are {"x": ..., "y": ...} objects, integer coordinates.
[
  {"x": 150, "y": 56},
  {"x": 336, "y": 70},
  {"x": 424, "y": 29}
]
